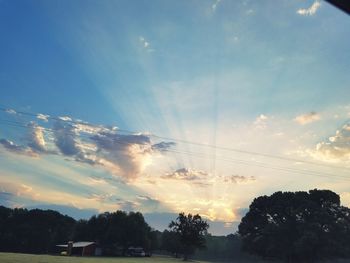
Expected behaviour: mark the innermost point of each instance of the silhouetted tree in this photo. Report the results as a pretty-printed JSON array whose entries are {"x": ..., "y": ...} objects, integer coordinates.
[
  {"x": 171, "y": 242},
  {"x": 191, "y": 230},
  {"x": 39, "y": 231},
  {"x": 117, "y": 230},
  {"x": 155, "y": 239},
  {"x": 297, "y": 227},
  {"x": 33, "y": 231}
]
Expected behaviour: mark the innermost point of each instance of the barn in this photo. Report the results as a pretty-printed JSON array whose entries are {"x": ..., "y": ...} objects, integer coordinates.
[{"x": 81, "y": 248}]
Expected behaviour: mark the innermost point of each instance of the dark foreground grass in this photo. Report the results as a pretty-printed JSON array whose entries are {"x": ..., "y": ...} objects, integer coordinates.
[{"x": 29, "y": 258}]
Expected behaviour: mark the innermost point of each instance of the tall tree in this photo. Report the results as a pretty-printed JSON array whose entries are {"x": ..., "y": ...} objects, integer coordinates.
[
  {"x": 33, "y": 231},
  {"x": 191, "y": 230},
  {"x": 171, "y": 242},
  {"x": 297, "y": 227},
  {"x": 115, "y": 231}
]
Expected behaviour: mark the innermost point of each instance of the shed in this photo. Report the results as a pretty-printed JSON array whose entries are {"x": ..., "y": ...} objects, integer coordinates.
[{"x": 81, "y": 248}]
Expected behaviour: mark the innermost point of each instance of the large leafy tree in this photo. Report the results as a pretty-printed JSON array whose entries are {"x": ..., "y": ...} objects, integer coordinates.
[
  {"x": 171, "y": 242},
  {"x": 116, "y": 230},
  {"x": 297, "y": 226},
  {"x": 191, "y": 230},
  {"x": 33, "y": 231}
]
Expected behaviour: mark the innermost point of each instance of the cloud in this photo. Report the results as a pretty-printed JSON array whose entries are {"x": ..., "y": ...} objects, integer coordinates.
[
  {"x": 336, "y": 148},
  {"x": 19, "y": 149},
  {"x": 262, "y": 117},
  {"x": 68, "y": 140},
  {"x": 9, "y": 145},
  {"x": 43, "y": 117},
  {"x": 145, "y": 44},
  {"x": 345, "y": 198},
  {"x": 114, "y": 141},
  {"x": 65, "y": 138},
  {"x": 125, "y": 155},
  {"x": 87, "y": 128},
  {"x": 307, "y": 118},
  {"x": 129, "y": 206},
  {"x": 311, "y": 10},
  {"x": 249, "y": 12},
  {"x": 148, "y": 201},
  {"x": 65, "y": 118},
  {"x": 143, "y": 41},
  {"x": 145, "y": 198},
  {"x": 104, "y": 197},
  {"x": 239, "y": 179},
  {"x": 10, "y": 111},
  {"x": 163, "y": 146},
  {"x": 215, "y": 5},
  {"x": 143, "y": 201},
  {"x": 202, "y": 184},
  {"x": 260, "y": 121},
  {"x": 12, "y": 190},
  {"x": 185, "y": 174},
  {"x": 36, "y": 140}
]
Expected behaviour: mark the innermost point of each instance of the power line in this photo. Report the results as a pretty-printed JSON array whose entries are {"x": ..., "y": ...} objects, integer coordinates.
[
  {"x": 221, "y": 158},
  {"x": 271, "y": 156}
]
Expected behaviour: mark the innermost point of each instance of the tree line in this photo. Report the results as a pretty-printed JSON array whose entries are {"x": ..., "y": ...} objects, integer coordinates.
[
  {"x": 39, "y": 231},
  {"x": 288, "y": 226}
]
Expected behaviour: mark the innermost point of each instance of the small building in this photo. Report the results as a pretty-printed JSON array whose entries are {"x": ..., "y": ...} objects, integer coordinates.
[{"x": 81, "y": 248}]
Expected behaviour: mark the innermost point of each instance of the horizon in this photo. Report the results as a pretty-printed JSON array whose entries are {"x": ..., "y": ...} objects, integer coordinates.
[{"x": 168, "y": 107}]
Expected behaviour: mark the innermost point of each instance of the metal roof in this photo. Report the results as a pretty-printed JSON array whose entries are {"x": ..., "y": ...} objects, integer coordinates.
[{"x": 78, "y": 244}]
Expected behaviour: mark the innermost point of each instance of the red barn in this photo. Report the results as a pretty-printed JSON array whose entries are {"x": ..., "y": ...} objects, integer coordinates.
[{"x": 80, "y": 248}]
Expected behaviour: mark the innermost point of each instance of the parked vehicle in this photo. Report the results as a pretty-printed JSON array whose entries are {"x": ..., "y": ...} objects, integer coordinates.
[{"x": 136, "y": 252}]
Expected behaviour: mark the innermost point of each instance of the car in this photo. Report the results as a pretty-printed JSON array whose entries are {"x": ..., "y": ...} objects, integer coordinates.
[{"x": 136, "y": 252}]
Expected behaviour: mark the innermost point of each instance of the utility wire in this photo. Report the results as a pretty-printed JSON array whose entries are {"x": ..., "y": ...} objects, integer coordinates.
[
  {"x": 201, "y": 155},
  {"x": 271, "y": 156}
]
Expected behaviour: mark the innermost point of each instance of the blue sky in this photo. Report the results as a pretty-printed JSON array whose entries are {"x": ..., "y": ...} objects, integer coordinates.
[{"x": 243, "y": 79}]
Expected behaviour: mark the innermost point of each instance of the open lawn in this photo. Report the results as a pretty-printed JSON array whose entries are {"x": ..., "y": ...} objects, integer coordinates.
[{"x": 28, "y": 258}]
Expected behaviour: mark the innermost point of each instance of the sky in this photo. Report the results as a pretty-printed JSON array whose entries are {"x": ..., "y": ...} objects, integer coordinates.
[{"x": 163, "y": 107}]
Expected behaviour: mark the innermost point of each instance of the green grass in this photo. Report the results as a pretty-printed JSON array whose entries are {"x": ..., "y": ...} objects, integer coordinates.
[{"x": 28, "y": 258}]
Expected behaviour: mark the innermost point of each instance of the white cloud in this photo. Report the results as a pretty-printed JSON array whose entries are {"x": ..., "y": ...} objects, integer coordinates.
[
  {"x": 43, "y": 117},
  {"x": 36, "y": 140},
  {"x": 311, "y": 10},
  {"x": 81, "y": 127},
  {"x": 249, "y": 12},
  {"x": 124, "y": 155},
  {"x": 185, "y": 174},
  {"x": 239, "y": 179},
  {"x": 307, "y": 118},
  {"x": 10, "y": 111},
  {"x": 145, "y": 44},
  {"x": 65, "y": 138},
  {"x": 65, "y": 118},
  {"x": 336, "y": 148},
  {"x": 215, "y": 5},
  {"x": 260, "y": 121},
  {"x": 17, "y": 189},
  {"x": 19, "y": 149},
  {"x": 345, "y": 198},
  {"x": 162, "y": 146}
]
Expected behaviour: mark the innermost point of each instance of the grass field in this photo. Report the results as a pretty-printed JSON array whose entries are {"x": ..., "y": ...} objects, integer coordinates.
[{"x": 28, "y": 258}]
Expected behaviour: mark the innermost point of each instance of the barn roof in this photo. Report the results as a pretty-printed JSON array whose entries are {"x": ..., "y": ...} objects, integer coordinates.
[{"x": 78, "y": 244}]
